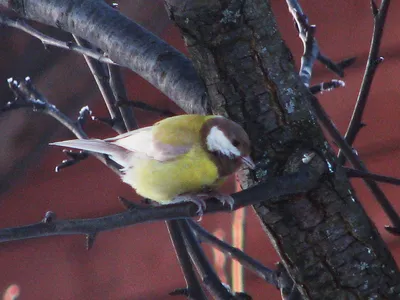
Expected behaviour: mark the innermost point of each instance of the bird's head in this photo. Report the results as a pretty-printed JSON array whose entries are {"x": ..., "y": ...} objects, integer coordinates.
[{"x": 228, "y": 141}]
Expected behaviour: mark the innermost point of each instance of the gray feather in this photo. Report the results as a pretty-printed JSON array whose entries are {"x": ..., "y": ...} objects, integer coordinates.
[{"x": 118, "y": 154}]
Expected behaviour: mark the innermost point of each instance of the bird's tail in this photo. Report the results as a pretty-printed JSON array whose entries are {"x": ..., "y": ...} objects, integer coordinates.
[{"x": 119, "y": 154}]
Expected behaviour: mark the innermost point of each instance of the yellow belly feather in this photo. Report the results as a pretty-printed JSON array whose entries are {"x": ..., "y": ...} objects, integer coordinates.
[{"x": 162, "y": 181}]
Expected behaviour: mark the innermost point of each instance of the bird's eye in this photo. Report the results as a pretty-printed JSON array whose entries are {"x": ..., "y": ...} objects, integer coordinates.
[{"x": 235, "y": 143}]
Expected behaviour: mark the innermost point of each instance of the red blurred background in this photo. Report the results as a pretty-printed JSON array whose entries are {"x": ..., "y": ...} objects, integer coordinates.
[{"x": 139, "y": 262}]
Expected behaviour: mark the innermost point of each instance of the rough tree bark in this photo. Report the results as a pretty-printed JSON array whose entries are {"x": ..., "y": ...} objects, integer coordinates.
[{"x": 325, "y": 240}]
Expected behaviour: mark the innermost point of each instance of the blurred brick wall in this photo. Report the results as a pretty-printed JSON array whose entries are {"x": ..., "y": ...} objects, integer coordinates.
[{"x": 139, "y": 262}]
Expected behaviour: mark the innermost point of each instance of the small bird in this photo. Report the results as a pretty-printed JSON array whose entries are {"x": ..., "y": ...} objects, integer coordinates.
[{"x": 179, "y": 159}]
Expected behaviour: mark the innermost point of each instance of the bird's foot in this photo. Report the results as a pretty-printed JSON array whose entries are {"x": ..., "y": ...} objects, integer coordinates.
[
  {"x": 194, "y": 198},
  {"x": 224, "y": 199},
  {"x": 199, "y": 198}
]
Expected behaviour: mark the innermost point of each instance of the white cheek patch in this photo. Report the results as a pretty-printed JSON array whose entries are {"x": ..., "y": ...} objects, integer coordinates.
[{"x": 217, "y": 141}]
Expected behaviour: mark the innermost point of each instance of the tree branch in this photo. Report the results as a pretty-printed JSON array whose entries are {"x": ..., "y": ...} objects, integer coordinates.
[
  {"x": 27, "y": 96},
  {"x": 372, "y": 63},
  {"x": 326, "y": 86},
  {"x": 288, "y": 288},
  {"x": 356, "y": 162},
  {"x": 306, "y": 34},
  {"x": 194, "y": 290},
  {"x": 102, "y": 80},
  {"x": 247, "y": 261},
  {"x": 353, "y": 173},
  {"x": 50, "y": 41},
  {"x": 125, "y": 42},
  {"x": 312, "y": 51},
  {"x": 206, "y": 271},
  {"x": 308, "y": 59},
  {"x": 119, "y": 91},
  {"x": 296, "y": 183},
  {"x": 146, "y": 107}
]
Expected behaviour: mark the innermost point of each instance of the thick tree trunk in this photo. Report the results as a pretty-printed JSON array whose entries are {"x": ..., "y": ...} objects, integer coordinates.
[{"x": 325, "y": 240}]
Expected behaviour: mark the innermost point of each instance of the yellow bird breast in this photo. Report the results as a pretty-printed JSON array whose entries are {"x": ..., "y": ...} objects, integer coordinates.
[{"x": 162, "y": 181}]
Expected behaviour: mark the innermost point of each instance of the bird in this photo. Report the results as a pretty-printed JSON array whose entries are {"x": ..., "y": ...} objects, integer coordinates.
[{"x": 183, "y": 158}]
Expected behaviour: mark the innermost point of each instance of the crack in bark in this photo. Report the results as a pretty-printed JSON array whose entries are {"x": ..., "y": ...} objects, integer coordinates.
[{"x": 271, "y": 86}]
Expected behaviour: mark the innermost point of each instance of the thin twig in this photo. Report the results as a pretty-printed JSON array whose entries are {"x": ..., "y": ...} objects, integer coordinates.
[
  {"x": 26, "y": 95},
  {"x": 347, "y": 151},
  {"x": 312, "y": 51},
  {"x": 50, "y": 41},
  {"x": 247, "y": 261},
  {"x": 331, "y": 65},
  {"x": 356, "y": 162},
  {"x": 326, "y": 86},
  {"x": 372, "y": 63},
  {"x": 102, "y": 81},
  {"x": 306, "y": 34},
  {"x": 288, "y": 288},
  {"x": 309, "y": 56},
  {"x": 119, "y": 91},
  {"x": 73, "y": 159},
  {"x": 146, "y": 107},
  {"x": 194, "y": 290},
  {"x": 204, "y": 268},
  {"x": 353, "y": 173},
  {"x": 274, "y": 187}
]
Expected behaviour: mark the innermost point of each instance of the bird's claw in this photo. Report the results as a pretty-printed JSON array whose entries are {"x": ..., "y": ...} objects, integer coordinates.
[
  {"x": 198, "y": 199},
  {"x": 225, "y": 199}
]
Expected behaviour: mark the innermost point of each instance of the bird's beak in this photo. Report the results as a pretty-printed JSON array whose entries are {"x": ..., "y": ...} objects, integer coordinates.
[{"x": 248, "y": 162}]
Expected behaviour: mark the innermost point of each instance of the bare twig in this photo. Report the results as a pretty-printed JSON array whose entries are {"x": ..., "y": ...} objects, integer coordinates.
[
  {"x": 73, "y": 159},
  {"x": 353, "y": 173},
  {"x": 50, "y": 41},
  {"x": 331, "y": 65},
  {"x": 347, "y": 62},
  {"x": 347, "y": 151},
  {"x": 247, "y": 261},
  {"x": 290, "y": 184},
  {"x": 306, "y": 34},
  {"x": 205, "y": 270},
  {"x": 372, "y": 63},
  {"x": 146, "y": 107},
  {"x": 286, "y": 285},
  {"x": 193, "y": 290},
  {"x": 312, "y": 51},
  {"x": 356, "y": 162},
  {"x": 118, "y": 88},
  {"x": 393, "y": 230},
  {"x": 102, "y": 81},
  {"x": 309, "y": 56},
  {"x": 27, "y": 96},
  {"x": 326, "y": 86},
  {"x": 119, "y": 91}
]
